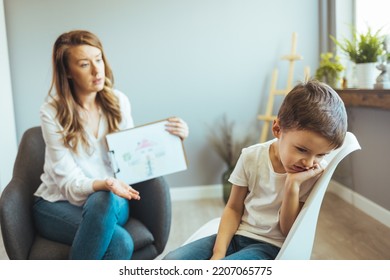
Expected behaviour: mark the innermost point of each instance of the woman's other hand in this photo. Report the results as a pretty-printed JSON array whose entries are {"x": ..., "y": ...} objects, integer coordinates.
[
  {"x": 122, "y": 189},
  {"x": 178, "y": 127}
]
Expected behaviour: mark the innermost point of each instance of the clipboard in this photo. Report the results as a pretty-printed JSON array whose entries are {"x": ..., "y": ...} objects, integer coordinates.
[{"x": 145, "y": 152}]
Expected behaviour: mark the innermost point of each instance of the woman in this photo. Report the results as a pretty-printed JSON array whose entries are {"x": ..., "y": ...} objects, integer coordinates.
[{"x": 79, "y": 202}]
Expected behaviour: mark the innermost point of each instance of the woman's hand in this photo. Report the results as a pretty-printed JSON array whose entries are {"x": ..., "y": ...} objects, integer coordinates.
[
  {"x": 178, "y": 127},
  {"x": 122, "y": 189}
]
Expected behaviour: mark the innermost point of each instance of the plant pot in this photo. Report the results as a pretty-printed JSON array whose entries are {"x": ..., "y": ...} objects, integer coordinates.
[
  {"x": 226, "y": 185},
  {"x": 366, "y": 74}
]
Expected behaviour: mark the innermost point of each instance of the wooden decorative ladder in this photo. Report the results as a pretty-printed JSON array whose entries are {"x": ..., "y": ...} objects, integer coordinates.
[{"x": 268, "y": 116}]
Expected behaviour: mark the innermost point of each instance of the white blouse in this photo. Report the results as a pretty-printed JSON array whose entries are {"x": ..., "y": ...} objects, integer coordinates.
[{"x": 67, "y": 175}]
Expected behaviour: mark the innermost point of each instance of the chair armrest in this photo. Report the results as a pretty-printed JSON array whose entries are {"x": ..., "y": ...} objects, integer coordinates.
[
  {"x": 16, "y": 219},
  {"x": 154, "y": 209}
]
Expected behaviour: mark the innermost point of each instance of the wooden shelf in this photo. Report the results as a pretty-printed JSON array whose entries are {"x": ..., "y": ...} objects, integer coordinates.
[{"x": 372, "y": 98}]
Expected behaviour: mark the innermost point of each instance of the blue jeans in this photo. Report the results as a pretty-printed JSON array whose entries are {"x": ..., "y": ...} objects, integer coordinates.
[
  {"x": 94, "y": 230},
  {"x": 240, "y": 248}
]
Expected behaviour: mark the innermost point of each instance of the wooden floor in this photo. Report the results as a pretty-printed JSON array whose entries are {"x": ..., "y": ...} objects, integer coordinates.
[
  {"x": 343, "y": 232},
  {"x": 346, "y": 233}
]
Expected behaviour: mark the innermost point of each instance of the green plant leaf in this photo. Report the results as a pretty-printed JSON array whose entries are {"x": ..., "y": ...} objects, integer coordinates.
[
  {"x": 330, "y": 69},
  {"x": 363, "y": 48}
]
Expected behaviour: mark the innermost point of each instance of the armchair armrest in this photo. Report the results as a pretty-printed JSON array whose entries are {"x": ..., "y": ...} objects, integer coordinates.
[{"x": 16, "y": 219}]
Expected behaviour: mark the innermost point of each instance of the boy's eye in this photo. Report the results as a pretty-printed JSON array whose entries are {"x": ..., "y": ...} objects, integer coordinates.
[
  {"x": 302, "y": 150},
  {"x": 84, "y": 65}
]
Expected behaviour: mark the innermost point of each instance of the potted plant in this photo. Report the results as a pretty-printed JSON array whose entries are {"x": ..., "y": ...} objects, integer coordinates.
[
  {"x": 363, "y": 50},
  {"x": 329, "y": 70},
  {"x": 228, "y": 147}
]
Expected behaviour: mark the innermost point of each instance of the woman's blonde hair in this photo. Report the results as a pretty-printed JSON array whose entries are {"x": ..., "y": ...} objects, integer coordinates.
[{"x": 65, "y": 100}]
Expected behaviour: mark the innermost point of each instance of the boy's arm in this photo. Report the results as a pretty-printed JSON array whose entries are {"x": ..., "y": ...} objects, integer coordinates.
[
  {"x": 230, "y": 221},
  {"x": 290, "y": 207},
  {"x": 290, "y": 204}
]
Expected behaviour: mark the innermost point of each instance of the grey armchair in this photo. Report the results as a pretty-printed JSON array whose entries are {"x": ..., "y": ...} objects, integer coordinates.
[{"x": 149, "y": 224}]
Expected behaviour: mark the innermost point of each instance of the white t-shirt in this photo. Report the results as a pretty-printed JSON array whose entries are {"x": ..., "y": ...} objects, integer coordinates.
[
  {"x": 260, "y": 220},
  {"x": 67, "y": 175}
]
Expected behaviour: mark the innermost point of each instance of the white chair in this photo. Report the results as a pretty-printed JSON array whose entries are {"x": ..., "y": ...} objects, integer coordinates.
[{"x": 299, "y": 241}]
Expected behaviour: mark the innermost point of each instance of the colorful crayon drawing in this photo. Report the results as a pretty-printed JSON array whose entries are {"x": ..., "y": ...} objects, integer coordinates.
[{"x": 146, "y": 152}]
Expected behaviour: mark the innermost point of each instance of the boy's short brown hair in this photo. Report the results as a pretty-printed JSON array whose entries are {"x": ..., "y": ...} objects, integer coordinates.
[{"x": 315, "y": 106}]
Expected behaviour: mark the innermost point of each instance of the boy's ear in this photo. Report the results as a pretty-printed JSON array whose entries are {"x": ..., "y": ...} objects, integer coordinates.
[{"x": 276, "y": 128}]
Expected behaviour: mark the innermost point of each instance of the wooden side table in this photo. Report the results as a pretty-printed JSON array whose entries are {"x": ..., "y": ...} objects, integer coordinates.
[{"x": 373, "y": 98}]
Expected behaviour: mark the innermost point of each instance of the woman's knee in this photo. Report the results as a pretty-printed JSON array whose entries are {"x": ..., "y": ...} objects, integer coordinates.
[
  {"x": 105, "y": 203},
  {"x": 100, "y": 199}
]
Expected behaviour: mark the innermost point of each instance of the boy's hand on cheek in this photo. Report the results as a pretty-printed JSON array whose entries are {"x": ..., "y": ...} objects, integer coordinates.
[{"x": 300, "y": 177}]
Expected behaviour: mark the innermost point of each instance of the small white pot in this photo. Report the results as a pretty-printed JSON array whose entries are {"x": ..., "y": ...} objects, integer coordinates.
[{"x": 366, "y": 74}]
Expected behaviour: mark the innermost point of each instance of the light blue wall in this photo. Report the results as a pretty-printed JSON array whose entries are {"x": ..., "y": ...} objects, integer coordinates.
[{"x": 194, "y": 59}]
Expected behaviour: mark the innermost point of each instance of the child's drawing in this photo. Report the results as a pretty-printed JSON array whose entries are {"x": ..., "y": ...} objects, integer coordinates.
[
  {"x": 146, "y": 152},
  {"x": 146, "y": 157}
]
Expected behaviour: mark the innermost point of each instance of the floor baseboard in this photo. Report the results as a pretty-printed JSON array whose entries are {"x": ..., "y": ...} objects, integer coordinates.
[
  {"x": 215, "y": 191},
  {"x": 196, "y": 192},
  {"x": 367, "y": 206}
]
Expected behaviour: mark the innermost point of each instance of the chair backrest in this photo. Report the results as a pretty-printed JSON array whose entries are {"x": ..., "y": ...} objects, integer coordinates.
[
  {"x": 30, "y": 158},
  {"x": 299, "y": 241}
]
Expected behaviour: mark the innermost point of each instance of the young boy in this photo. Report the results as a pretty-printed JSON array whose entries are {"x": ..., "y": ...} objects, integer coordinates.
[{"x": 272, "y": 180}]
